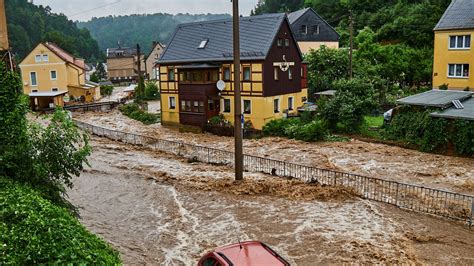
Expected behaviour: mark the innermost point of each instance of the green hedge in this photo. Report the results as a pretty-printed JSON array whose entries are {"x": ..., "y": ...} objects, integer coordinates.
[
  {"x": 133, "y": 111},
  {"x": 296, "y": 128},
  {"x": 35, "y": 231},
  {"x": 416, "y": 126}
]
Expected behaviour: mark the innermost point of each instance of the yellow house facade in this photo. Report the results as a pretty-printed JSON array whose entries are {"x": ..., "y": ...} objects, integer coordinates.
[
  {"x": 49, "y": 74},
  {"x": 453, "y": 52},
  {"x": 3, "y": 27},
  {"x": 197, "y": 78}
]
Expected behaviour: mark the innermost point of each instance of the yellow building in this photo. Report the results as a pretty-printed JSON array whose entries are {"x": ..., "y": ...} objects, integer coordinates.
[
  {"x": 49, "y": 73},
  {"x": 453, "y": 55},
  {"x": 196, "y": 72}
]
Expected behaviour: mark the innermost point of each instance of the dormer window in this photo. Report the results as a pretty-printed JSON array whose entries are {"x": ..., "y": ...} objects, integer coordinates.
[
  {"x": 304, "y": 29},
  {"x": 203, "y": 44}
]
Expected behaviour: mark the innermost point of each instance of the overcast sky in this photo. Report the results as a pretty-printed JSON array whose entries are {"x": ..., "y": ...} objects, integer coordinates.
[{"x": 124, "y": 7}]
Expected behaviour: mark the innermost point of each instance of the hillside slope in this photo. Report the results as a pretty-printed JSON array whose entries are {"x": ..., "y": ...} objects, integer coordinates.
[{"x": 142, "y": 29}]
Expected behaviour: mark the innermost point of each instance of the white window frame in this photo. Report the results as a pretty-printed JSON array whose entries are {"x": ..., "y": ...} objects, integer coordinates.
[
  {"x": 243, "y": 107},
  {"x": 304, "y": 29},
  {"x": 36, "y": 79},
  {"x": 203, "y": 44},
  {"x": 316, "y": 30},
  {"x": 45, "y": 57},
  {"x": 456, "y": 45},
  {"x": 51, "y": 74},
  {"x": 291, "y": 100},
  {"x": 40, "y": 58},
  {"x": 462, "y": 71},
  {"x": 172, "y": 102},
  {"x": 278, "y": 109}
]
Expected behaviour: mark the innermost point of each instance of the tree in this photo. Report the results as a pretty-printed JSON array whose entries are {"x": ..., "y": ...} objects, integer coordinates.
[
  {"x": 45, "y": 157},
  {"x": 275, "y": 6},
  {"x": 100, "y": 70}
]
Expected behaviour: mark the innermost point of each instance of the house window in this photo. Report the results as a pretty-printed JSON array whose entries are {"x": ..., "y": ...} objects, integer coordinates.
[
  {"x": 290, "y": 73},
  {"x": 275, "y": 73},
  {"x": 287, "y": 43},
  {"x": 247, "y": 73},
  {"x": 45, "y": 58},
  {"x": 33, "y": 80},
  {"x": 460, "y": 42},
  {"x": 290, "y": 103},
  {"x": 170, "y": 74},
  {"x": 315, "y": 30},
  {"x": 203, "y": 44},
  {"x": 196, "y": 106},
  {"x": 280, "y": 42},
  {"x": 304, "y": 29},
  {"x": 53, "y": 75},
  {"x": 276, "y": 106},
  {"x": 37, "y": 58},
  {"x": 188, "y": 107},
  {"x": 247, "y": 107},
  {"x": 302, "y": 72},
  {"x": 458, "y": 70},
  {"x": 172, "y": 102},
  {"x": 226, "y": 73},
  {"x": 54, "y": 89},
  {"x": 201, "y": 107},
  {"x": 226, "y": 105}
]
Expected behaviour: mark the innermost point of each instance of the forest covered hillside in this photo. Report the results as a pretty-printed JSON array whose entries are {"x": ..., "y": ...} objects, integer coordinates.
[
  {"x": 29, "y": 24},
  {"x": 142, "y": 29}
]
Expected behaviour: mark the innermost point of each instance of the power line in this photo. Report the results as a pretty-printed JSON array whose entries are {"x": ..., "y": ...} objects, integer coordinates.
[{"x": 89, "y": 10}]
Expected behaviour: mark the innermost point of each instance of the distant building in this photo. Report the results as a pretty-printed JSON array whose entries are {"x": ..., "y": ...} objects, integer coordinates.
[
  {"x": 311, "y": 30},
  {"x": 122, "y": 64},
  {"x": 50, "y": 73},
  {"x": 3, "y": 27},
  {"x": 196, "y": 71},
  {"x": 153, "y": 72},
  {"x": 453, "y": 55}
]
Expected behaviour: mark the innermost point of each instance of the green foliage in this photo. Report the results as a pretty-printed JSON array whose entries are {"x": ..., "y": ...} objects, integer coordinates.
[
  {"x": 443, "y": 87},
  {"x": 106, "y": 90},
  {"x": 29, "y": 24},
  {"x": 370, "y": 126},
  {"x": 46, "y": 157},
  {"x": 295, "y": 128},
  {"x": 95, "y": 78},
  {"x": 325, "y": 66},
  {"x": 418, "y": 127},
  {"x": 463, "y": 137},
  {"x": 276, "y": 6},
  {"x": 143, "y": 29},
  {"x": 133, "y": 111},
  {"x": 140, "y": 90},
  {"x": 35, "y": 231},
  {"x": 467, "y": 88},
  {"x": 345, "y": 111},
  {"x": 151, "y": 91}
]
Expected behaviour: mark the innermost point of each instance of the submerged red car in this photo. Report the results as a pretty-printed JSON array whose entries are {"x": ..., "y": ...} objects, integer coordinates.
[{"x": 243, "y": 254}]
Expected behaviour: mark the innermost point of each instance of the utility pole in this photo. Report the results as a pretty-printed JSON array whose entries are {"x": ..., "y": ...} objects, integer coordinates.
[
  {"x": 146, "y": 68},
  {"x": 239, "y": 162},
  {"x": 351, "y": 48},
  {"x": 139, "y": 90}
]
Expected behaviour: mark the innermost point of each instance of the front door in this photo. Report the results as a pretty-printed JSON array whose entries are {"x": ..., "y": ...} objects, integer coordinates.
[{"x": 213, "y": 107}]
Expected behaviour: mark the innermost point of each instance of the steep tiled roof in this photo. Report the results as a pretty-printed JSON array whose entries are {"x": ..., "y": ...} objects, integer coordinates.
[
  {"x": 293, "y": 16},
  {"x": 121, "y": 52},
  {"x": 256, "y": 37},
  {"x": 65, "y": 55},
  {"x": 459, "y": 15}
]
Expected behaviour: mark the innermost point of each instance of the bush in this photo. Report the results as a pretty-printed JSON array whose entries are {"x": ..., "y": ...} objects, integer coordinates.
[
  {"x": 151, "y": 91},
  {"x": 106, "y": 90},
  {"x": 278, "y": 127},
  {"x": 35, "y": 231},
  {"x": 295, "y": 128},
  {"x": 463, "y": 137},
  {"x": 133, "y": 111}
]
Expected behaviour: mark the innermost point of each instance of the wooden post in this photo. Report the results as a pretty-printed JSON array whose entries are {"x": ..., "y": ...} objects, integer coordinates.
[{"x": 239, "y": 165}]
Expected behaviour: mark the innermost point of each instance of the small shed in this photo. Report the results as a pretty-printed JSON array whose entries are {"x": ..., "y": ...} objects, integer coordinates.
[{"x": 436, "y": 98}]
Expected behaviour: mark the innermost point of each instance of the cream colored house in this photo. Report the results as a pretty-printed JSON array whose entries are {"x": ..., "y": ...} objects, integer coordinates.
[
  {"x": 152, "y": 71},
  {"x": 50, "y": 73},
  {"x": 3, "y": 27}
]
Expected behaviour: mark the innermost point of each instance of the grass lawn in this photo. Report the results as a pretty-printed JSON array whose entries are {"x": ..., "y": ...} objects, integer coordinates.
[{"x": 369, "y": 126}]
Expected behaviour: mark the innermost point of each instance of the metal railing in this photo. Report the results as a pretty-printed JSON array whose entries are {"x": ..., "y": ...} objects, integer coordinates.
[
  {"x": 96, "y": 107},
  {"x": 412, "y": 197}
]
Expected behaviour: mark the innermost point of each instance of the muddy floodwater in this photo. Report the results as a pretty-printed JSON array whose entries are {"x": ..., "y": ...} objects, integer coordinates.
[
  {"x": 369, "y": 159},
  {"x": 162, "y": 210}
]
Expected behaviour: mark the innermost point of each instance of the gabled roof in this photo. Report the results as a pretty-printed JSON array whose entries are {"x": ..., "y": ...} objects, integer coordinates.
[
  {"x": 155, "y": 44},
  {"x": 459, "y": 15},
  {"x": 436, "y": 98},
  {"x": 79, "y": 62},
  {"x": 121, "y": 52},
  {"x": 257, "y": 34},
  {"x": 294, "y": 16}
]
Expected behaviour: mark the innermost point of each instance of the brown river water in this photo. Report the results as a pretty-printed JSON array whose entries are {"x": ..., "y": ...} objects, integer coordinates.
[{"x": 157, "y": 209}]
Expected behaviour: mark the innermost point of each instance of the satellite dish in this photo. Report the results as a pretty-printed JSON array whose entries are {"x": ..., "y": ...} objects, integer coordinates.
[{"x": 220, "y": 85}]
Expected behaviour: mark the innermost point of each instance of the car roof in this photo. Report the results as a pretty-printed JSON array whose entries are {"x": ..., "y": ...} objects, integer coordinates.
[{"x": 249, "y": 253}]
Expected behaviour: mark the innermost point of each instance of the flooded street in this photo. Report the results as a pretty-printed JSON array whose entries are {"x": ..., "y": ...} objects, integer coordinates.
[
  {"x": 355, "y": 156},
  {"x": 159, "y": 209}
]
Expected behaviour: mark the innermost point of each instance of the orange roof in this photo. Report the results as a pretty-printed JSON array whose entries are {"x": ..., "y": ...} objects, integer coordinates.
[{"x": 65, "y": 55}]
